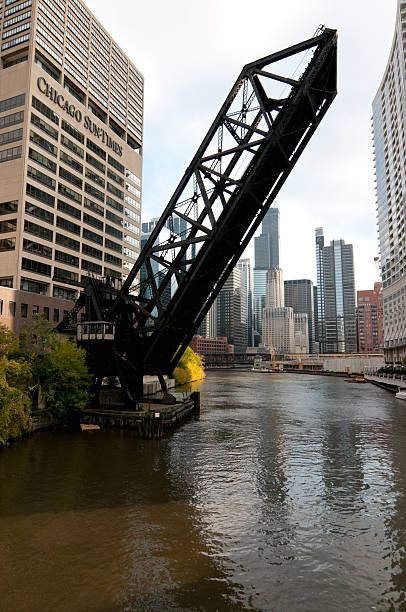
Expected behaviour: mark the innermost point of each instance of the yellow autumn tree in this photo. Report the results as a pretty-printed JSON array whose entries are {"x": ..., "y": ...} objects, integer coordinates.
[{"x": 189, "y": 368}]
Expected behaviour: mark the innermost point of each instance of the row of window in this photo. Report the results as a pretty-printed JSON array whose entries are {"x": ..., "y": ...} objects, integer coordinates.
[
  {"x": 41, "y": 250},
  {"x": 35, "y": 310}
]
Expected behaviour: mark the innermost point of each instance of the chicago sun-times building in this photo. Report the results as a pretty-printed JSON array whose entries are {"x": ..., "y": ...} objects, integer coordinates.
[{"x": 71, "y": 120}]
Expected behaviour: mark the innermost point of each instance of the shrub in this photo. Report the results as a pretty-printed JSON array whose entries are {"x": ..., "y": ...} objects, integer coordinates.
[
  {"x": 189, "y": 368},
  {"x": 15, "y": 401}
]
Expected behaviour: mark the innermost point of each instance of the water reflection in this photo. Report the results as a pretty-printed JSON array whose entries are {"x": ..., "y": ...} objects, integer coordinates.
[{"x": 288, "y": 493}]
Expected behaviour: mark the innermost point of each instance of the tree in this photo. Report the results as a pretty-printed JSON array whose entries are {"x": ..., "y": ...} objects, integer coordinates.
[
  {"x": 15, "y": 389},
  {"x": 189, "y": 368}
]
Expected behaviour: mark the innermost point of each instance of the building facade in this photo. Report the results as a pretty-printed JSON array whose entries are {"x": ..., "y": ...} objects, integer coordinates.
[
  {"x": 275, "y": 294},
  {"x": 370, "y": 320},
  {"x": 278, "y": 329},
  {"x": 71, "y": 121},
  {"x": 336, "y": 296},
  {"x": 231, "y": 313},
  {"x": 246, "y": 285},
  {"x": 266, "y": 257},
  {"x": 301, "y": 327},
  {"x": 299, "y": 295},
  {"x": 211, "y": 346},
  {"x": 389, "y": 129}
]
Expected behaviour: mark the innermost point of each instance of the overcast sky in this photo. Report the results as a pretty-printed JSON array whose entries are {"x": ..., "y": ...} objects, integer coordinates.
[{"x": 190, "y": 53}]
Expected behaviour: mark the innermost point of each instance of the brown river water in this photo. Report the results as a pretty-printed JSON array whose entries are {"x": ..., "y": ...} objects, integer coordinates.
[{"x": 286, "y": 493}]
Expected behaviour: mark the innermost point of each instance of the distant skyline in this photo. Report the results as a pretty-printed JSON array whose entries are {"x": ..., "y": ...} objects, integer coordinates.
[{"x": 190, "y": 60}]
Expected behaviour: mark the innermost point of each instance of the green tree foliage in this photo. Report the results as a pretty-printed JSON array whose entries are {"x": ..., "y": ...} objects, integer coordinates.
[
  {"x": 15, "y": 388},
  {"x": 189, "y": 368}
]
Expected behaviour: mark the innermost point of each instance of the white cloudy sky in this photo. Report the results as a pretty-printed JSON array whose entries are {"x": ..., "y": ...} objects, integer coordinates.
[{"x": 191, "y": 51}]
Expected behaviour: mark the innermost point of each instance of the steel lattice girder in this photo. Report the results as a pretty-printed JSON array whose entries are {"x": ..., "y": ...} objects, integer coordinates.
[{"x": 245, "y": 158}]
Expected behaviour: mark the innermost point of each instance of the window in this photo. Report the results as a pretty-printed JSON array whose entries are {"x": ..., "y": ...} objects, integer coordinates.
[
  {"x": 115, "y": 177},
  {"x": 70, "y": 161},
  {"x": 96, "y": 149},
  {"x": 44, "y": 126},
  {"x": 114, "y": 204},
  {"x": 74, "y": 228},
  {"x": 56, "y": 315},
  {"x": 69, "y": 86},
  {"x": 35, "y": 310},
  {"x": 69, "y": 193},
  {"x": 69, "y": 210},
  {"x": 132, "y": 215},
  {"x": 37, "y": 267},
  {"x": 7, "y": 244},
  {"x": 34, "y": 287},
  {"x": 72, "y": 146},
  {"x": 117, "y": 192},
  {"x": 8, "y": 226},
  {"x": 8, "y": 207},
  {"x": 113, "y": 259},
  {"x": 112, "y": 273},
  {"x": 133, "y": 228},
  {"x": 44, "y": 144},
  {"x": 66, "y": 275},
  {"x": 67, "y": 242},
  {"x": 116, "y": 164},
  {"x": 42, "y": 160},
  {"x": 10, "y": 120},
  {"x": 91, "y": 106},
  {"x": 45, "y": 110},
  {"x": 6, "y": 282},
  {"x": 92, "y": 236},
  {"x": 38, "y": 230},
  {"x": 95, "y": 163},
  {"x": 132, "y": 241},
  {"x": 133, "y": 190},
  {"x": 130, "y": 253},
  {"x": 14, "y": 62},
  {"x": 15, "y": 41},
  {"x": 39, "y": 176},
  {"x": 10, "y": 154},
  {"x": 114, "y": 218},
  {"x": 71, "y": 178},
  {"x": 67, "y": 258},
  {"x": 46, "y": 313},
  {"x": 96, "y": 193},
  {"x": 44, "y": 65},
  {"x": 12, "y": 309},
  {"x": 39, "y": 213},
  {"x": 24, "y": 311},
  {"x": 93, "y": 206},
  {"x": 109, "y": 244},
  {"x": 16, "y": 30},
  {"x": 132, "y": 202},
  {"x": 91, "y": 267},
  {"x": 13, "y": 136},
  {"x": 73, "y": 131},
  {"x": 65, "y": 294},
  {"x": 94, "y": 177},
  {"x": 40, "y": 195},
  {"x": 37, "y": 249},
  {"x": 10, "y": 103},
  {"x": 132, "y": 177},
  {"x": 93, "y": 221},
  {"x": 91, "y": 251},
  {"x": 114, "y": 232}
]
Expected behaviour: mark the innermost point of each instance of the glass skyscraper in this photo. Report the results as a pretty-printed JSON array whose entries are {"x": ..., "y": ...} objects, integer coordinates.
[{"x": 389, "y": 122}]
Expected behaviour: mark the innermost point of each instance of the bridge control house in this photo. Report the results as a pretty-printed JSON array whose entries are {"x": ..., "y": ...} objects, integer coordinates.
[{"x": 71, "y": 122}]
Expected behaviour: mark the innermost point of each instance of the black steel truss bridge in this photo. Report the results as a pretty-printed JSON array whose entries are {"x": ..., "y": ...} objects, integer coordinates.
[{"x": 261, "y": 130}]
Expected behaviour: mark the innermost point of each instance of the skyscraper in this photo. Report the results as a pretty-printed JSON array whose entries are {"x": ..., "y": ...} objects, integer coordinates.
[
  {"x": 231, "y": 313},
  {"x": 278, "y": 329},
  {"x": 299, "y": 296},
  {"x": 71, "y": 112},
  {"x": 266, "y": 257},
  {"x": 246, "y": 284},
  {"x": 389, "y": 127},
  {"x": 301, "y": 333},
  {"x": 275, "y": 294},
  {"x": 336, "y": 296},
  {"x": 370, "y": 319}
]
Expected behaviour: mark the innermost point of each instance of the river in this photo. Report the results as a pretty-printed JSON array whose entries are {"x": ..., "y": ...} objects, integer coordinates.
[{"x": 286, "y": 493}]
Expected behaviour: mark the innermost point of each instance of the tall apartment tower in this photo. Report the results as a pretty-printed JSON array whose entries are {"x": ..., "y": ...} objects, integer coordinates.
[
  {"x": 266, "y": 257},
  {"x": 370, "y": 319},
  {"x": 71, "y": 121},
  {"x": 299, "y": 296},
  {"x": 389, "y": 128},
  {"x": 336, "y": 296},
  {"x": 231, "y": 314},
  {"x": 246, "y": 283}
]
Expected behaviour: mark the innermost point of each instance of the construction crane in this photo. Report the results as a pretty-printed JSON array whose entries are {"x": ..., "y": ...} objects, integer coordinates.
[{"x": 144, "y": 325}]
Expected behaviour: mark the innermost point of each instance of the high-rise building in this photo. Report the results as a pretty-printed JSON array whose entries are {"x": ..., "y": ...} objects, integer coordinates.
[
  {"x": 299, "y": 296},
  {"x": 336, "y": 296},
  {"x": 301, "y": 327},
  {"x": 316, "y": 347},
  {"x": 278, "y": 329},
  {"x": 246, "y": 283},
  {"x": 71, "y": 121},
  {"x": 266, "y": 257},
  {"x": 275, "y": 294},
  {"x": 231, "y": 320},
  {"x": 389, "y": 127},
  {"x": 267, "y": 244},
  {"x": 370, "y": 320}
]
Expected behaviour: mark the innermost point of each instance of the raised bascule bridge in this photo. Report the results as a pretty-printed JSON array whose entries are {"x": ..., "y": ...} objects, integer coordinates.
[{"x": 144, "y": 326}]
